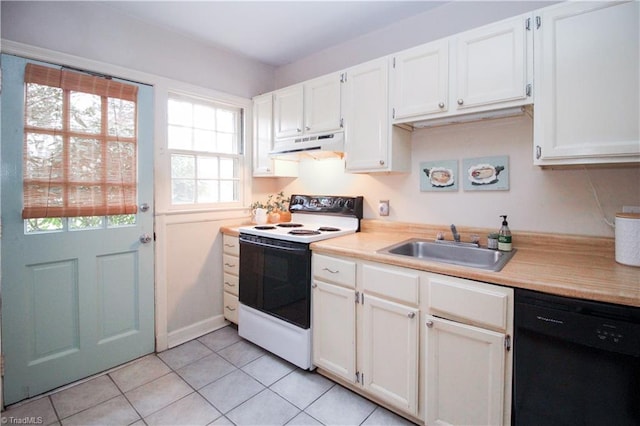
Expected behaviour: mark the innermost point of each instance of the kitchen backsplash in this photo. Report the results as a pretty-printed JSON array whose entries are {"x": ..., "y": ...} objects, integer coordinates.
[{"x": 543, "y": 200}]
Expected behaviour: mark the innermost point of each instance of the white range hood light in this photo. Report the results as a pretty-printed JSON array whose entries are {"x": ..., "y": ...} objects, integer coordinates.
[
  {"x": 476, "y": 116},
  {"x": 316, "y": 147}
]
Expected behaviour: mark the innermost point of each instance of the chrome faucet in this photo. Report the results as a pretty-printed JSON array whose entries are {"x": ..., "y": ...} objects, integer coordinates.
[{"x": 454, "y": 231}]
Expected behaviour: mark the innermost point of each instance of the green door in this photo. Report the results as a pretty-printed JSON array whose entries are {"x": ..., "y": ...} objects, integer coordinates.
[{"x": 79, "y": 299}]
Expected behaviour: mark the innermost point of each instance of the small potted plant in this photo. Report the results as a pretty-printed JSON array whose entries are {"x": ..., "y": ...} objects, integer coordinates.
[{"x": 276, "y": 206}]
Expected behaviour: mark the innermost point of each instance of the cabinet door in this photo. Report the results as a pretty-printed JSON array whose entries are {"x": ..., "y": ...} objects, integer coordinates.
[
  {"x": 334, "y": 329},
  {"x": 287, "y": 114},
  {"x": 323, "y": 104},
  {"x": 465, "y": 374},
  {"x": 420, "y": 81},
  {"x": 367, "y": 117},
  {"x": 587, "y": 93},
  {"x": 491, "y": 64},
  {"x": 389, "y": 352},
  {"x": 262, "y": 134}
]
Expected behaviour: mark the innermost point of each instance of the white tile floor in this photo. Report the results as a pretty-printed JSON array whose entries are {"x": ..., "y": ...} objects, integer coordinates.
[{"x": 218, "y": 379}]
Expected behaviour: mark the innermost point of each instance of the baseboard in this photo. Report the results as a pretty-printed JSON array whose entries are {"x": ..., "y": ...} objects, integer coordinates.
[{"x": 193, "y": 331}]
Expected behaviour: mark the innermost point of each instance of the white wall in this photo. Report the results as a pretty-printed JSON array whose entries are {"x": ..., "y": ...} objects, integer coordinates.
[
  {"x": 96, "y": 31},
  {"x": 539, "y": 200},
  {"x": 445, "y": 20}
]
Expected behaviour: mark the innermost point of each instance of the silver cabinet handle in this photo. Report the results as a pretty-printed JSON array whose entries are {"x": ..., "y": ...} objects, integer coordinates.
[
  {"x": 230, "y": 308},
  {"x": 430, "y": 324},
  {"x": 411, "y": 315},
  {"x": 229, "y": 284},
  {"x": 299, "y": 130},
  {"x": 307, "y": 128},
  {"x": 331, "y": 271},
  {"x": 460, "y": 101},
  {"x": 230, "y": 265},
  {"x": 441, "y": 105},
  {"x": 145, "y": 238},
  {"x": 229, "y": 245}
]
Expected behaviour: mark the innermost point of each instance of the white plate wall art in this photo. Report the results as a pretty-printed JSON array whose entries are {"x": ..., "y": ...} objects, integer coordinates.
[
  {"x": 485, "y": 173},
  {"x": 439, "y": 175}
]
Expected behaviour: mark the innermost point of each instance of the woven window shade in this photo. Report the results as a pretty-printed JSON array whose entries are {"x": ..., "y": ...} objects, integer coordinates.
[{"x": 80, "y": 146}]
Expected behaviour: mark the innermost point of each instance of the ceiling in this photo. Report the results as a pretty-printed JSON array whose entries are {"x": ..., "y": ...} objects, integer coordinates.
[{"x": 273, "y": 32}]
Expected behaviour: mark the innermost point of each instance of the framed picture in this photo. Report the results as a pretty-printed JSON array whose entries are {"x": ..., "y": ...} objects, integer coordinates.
[
  {"x": 486, "y": 173},
  {"x": 439, "y": 175}
]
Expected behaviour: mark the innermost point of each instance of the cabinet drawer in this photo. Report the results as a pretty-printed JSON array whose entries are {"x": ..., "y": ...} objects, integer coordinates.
[
  {"x": 230, "y": 264},
  {"x": 334, "y": 270},
  {"x": 475, "y": 303},
  {"x": 231, "y": 245},
  {"x": 231, "y": 283},
  {"x": 395, "y": 283},
  {"x": 231, "y": 307}
]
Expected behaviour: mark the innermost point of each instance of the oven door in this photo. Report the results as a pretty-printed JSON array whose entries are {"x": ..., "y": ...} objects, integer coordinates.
[{"x": 275, "y": 278}]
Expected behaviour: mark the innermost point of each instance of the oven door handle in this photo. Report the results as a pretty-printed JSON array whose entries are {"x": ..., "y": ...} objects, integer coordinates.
[{"x": 275, "y": 247}]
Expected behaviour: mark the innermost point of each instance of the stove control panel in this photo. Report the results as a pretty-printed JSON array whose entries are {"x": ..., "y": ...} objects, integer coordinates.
[{"x": 327, "y": 204}]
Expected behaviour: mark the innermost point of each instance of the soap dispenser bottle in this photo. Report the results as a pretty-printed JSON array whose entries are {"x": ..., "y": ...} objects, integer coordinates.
[{"x": 504, "y": 236}]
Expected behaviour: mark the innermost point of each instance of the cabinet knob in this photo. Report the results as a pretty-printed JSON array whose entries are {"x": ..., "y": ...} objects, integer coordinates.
[
  {"x": 307, "y": 128},
  {"x": 382, "y": 162},
  {"x": 411, "y": 315},
  {"x": 299, "y": 130},
  {"x": 314, "y": 285},
  {"x": 460, "y": 101},
  {"x": 430, "y": 324},
  {"x": 441, "y": 105}
]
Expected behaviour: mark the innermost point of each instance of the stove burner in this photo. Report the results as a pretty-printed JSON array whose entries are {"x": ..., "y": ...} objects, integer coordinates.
[
  {"x": 328, "y": 229},
  {"x": 264, "y": 227},
  {"x": 289, "y": 225},
  {"x": 304, "y": 232}
]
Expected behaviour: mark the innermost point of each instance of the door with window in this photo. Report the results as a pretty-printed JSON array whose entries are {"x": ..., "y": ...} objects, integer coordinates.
[{"x": 77, "y": 225}]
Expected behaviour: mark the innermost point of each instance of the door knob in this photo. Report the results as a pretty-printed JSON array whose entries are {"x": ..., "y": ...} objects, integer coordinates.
[
  {"x": 145, "y": 238},
  {"x": 144, "y": 207}
]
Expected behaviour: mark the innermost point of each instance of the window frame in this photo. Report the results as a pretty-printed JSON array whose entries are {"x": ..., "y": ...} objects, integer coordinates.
[{"x": 212, "y": 98}]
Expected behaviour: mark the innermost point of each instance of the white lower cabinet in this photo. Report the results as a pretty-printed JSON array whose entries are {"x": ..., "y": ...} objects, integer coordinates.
[
  {"x": 425, "y": 345},
  {"x": 390, "y": 352},
  {"x": 465, "y": 374},
  {"x": 468, "y": 359},
  {"x": 367, "y": 338},
  {"x": 334, "y": 329},
  {"x": 231, "y": 281}
]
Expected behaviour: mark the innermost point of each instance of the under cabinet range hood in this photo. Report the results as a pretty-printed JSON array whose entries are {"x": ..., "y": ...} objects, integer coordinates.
[
  {"x": 329, "y": 145},
  {"x": 470, "y": 117}
]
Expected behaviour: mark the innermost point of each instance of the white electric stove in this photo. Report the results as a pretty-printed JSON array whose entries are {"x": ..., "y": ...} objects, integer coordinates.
[{"x": 275, "y": 273}]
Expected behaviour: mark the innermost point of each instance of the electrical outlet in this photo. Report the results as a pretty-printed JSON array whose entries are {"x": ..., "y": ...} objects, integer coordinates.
[
  {"x": 383, "y": 207},
  {"x": 630, "y": 209}
]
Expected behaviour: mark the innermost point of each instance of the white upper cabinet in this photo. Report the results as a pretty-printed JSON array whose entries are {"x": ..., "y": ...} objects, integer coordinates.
[
  {"x": 323, "y": 104},
  {"x": 312, "y": 107},
  {"x": 420, "y": 80},
  {"x": 372, "y": 144},
  {"x": 288, "y": 118},
  {"x": 587, "y": 97},
  {"x": 484, "y": 69},
  {"x": 492, "y": 64},
  {"x": 263, "y": 164}
]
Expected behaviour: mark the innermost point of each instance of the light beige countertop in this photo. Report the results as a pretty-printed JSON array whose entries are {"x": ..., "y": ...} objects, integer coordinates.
[{"x": 573, "y": 266}]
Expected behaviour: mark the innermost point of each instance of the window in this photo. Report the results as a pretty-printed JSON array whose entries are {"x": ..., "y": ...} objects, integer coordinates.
[
  {"x": 80, "y": 151},
  {"x": 205, "y": 146}
]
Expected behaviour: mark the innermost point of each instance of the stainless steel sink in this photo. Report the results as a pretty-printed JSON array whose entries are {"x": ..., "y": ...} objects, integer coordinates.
[{"x": 463, "y": 254}]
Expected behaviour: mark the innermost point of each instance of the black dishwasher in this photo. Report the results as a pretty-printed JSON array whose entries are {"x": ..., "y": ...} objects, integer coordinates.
[{"x": 576, "y": 362}]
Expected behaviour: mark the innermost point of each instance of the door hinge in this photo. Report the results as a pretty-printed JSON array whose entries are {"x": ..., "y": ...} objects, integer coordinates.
[
  {"x": 341, "y": 123},
  {"x": 394, "y": 62},
  {"x": 154, "y": 236},
  {"x": 528, "y": 24},
  {"x": 343, "y": 77},
  {"x": 393, "y": 113},
  {"x": 362, "y": 298},
  {"x": 507, "y": 343},
  {"x": 357, "y": 297},
  {"x": 357, "y": 377},
  {"x": 538, "y": 152},
  {"x": 528, "y": 89},
  {"x": 538, "y": 22}
]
